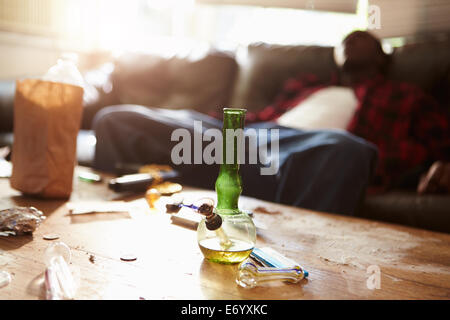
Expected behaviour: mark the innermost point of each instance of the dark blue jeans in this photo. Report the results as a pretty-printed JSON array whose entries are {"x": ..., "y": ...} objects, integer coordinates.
[{"x": 324, "y": 170}]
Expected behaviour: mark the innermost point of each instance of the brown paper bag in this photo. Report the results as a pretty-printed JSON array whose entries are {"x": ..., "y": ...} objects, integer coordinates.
[{"x": 47, "y": 118}]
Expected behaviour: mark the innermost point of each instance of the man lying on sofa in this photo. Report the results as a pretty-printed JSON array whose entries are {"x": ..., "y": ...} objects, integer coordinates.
[
  {"x": 324, "y": 170},
  {"x": 398, "y": 117},
  {"x": 410, "y": 129}
]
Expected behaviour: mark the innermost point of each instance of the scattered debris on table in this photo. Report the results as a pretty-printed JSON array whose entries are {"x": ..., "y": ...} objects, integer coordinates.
[
  {"x": 173, "y": 207},
  {"x": 92, "y": 258},
  {"x": 152, "y": 195},
  {"x": 86, "y": 207},
  {"x": 59, "y": 282},
  {"x": 167, "y": 188},
  {"x": 89, "y": 176},
  {"x": 5, "y": 279},
  {"x": 50, "y": 236},
  {"x": 265, "y": 210},
  {"x": 155, "y": 191},
  {"x": 128, "y": 257},
  {"x": 20, "y": 220}
]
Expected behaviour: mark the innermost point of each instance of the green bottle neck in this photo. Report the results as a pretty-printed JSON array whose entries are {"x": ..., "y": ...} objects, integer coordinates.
[
  {"x": 229, "y": 182},
  {"x": 233, "y": 122}
]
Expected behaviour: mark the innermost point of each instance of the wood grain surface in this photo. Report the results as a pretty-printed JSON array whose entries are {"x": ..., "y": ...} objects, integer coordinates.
[{"x": 336, "y": 250}]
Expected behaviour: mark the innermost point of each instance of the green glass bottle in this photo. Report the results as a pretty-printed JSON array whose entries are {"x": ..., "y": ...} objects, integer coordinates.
[{"x": 235, "y": 239}]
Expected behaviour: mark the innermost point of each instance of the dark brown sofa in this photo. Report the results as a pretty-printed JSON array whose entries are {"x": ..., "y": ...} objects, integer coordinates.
[{"x": 250, "y": 78}]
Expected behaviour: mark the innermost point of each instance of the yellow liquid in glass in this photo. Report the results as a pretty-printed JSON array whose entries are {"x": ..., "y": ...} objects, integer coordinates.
[{"x": 213, "y": 251}]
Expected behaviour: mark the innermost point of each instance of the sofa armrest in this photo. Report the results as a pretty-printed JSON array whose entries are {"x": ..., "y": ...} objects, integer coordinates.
[{"x": 7, "y": 90}]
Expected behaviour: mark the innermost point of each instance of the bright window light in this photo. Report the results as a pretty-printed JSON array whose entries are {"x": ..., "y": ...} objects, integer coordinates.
[
  {"x": 142, "y": 25},
  {"x": 245, "y": 25}
]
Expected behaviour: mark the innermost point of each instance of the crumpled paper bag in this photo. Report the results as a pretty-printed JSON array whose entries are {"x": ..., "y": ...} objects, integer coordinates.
[{"x": 47, "y": 118}]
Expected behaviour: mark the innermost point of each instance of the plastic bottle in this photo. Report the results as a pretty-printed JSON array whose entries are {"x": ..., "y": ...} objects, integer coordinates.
[{"x": 65, "y": 71}]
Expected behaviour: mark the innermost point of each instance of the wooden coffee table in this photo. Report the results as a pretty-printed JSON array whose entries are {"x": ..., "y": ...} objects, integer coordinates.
[{"x": 342, "y": 254}]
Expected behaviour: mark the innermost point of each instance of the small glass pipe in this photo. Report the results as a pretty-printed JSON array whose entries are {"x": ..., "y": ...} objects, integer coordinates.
[
  {"x": 249, "y": 275},
  {"x": 59, "y": 281}
]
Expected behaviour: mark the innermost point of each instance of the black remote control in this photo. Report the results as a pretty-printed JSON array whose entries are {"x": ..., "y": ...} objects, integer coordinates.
[{"x": 138, "y": 182}]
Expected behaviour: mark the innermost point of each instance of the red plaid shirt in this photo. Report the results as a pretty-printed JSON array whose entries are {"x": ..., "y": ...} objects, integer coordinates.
[{"x": 409, "y": 127}]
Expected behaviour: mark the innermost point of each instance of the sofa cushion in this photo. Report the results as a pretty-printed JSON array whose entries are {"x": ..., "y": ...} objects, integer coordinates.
[
  {"x": 7, "y": 91},
  {"x": 426, "y": 64},
  {"x": 266, "y": 67},
  {"x": 203, "y": 82}
]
